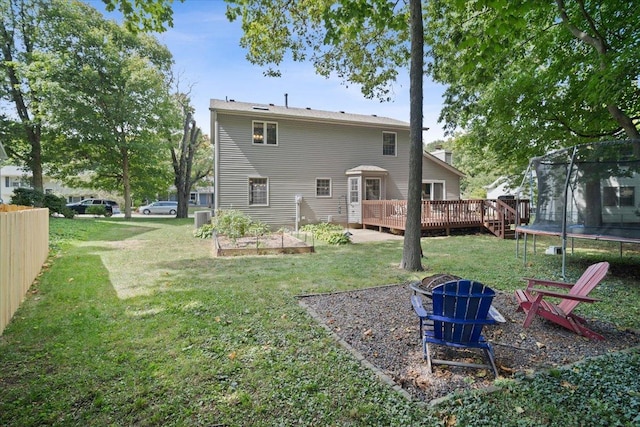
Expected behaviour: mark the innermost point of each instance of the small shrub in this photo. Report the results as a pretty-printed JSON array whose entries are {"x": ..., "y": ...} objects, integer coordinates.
[
  {"x": 31, "y": 197},
  {"x": 97, "y": 210},
  {"x": 27, "y": 197},
  {"x": 204, "y": 232},
  {"x": 231, "y": 223},
  {"x": 259, "y": 228},
  {"x": 68, "y": 213},
  {"x": 235, "y": 224},
  {"x": 331, "y": 233}
]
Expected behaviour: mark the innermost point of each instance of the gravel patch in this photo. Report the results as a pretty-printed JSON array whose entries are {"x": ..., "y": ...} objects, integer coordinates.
[{"x": 380, "y": 324}]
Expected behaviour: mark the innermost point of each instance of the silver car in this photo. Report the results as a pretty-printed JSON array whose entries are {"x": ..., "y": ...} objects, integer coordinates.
[{"x": 165, "y": 207}]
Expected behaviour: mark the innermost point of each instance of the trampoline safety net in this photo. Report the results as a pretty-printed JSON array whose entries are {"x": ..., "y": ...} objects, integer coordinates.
[{"x": 592, "y": 189}]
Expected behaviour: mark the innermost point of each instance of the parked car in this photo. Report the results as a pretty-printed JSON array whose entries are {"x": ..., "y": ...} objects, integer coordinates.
[
  {"x": 80, "y": 207},
  {"x": 162, "y": 207}
]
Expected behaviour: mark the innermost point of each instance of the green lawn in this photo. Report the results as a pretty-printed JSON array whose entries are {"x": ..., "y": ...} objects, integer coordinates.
[{"x": 134, "y": 323}]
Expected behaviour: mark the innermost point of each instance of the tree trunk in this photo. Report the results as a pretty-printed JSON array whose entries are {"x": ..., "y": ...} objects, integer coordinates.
[
  {"x": 126, "y": 182},
  {"x": 182, "y": 164},
  {"x": 593, "y": 201},
  {"x": 412, "y": 253},
  {"x": 35, "y": 159}
]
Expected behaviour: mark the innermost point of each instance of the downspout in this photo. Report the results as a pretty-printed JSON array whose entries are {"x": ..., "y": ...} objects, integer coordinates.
[
  {"x": 298, "y": 200},
  {"x": 216, "y": 161},
  {"x": 564, "y": 213}
]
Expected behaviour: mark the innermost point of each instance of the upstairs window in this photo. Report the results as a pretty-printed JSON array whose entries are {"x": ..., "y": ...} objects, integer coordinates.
[
  {"x": 388, "y": 143},
  {"x": 265, "y": 133},
  {"x": 323, "y": 187}
]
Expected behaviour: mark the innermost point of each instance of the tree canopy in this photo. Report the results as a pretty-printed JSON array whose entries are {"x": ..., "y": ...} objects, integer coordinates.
[
  {"x": 362, "y": 43},
  {"x": 142, "y": 16},
  {"x": 21, "y": 37},
  {"x": 92, "y": 99},
  {"x": 108, "y": 98},
  {"x": 525, "y": 77}
]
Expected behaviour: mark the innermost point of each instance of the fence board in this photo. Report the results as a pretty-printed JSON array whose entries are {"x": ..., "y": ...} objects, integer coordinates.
[{"x": 24, "y": 247}]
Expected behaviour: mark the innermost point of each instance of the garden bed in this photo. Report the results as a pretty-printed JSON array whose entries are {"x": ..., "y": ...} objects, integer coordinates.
[{"x": 272, "y": 244}]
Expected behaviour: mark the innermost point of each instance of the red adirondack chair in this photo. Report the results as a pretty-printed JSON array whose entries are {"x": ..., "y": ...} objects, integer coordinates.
[{"x": 532, "y": 301}]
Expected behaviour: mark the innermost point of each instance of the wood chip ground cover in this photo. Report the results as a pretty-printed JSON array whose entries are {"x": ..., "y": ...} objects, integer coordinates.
[{"x": 380, "y": 324}]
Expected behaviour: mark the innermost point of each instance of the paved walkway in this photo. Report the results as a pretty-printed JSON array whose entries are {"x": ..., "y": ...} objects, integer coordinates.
[{"x": 363, "y": 235}]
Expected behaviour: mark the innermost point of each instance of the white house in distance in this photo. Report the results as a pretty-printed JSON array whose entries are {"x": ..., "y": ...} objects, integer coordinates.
[
  {"x": 284, "y": 165},
  {"x": 12, "y": 177},
  {"x": 499, "y": 188}
]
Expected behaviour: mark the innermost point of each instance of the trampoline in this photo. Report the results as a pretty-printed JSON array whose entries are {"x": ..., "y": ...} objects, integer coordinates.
[{"x": 589, "y": 191}]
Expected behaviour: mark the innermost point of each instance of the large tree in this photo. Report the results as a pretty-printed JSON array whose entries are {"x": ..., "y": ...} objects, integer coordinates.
[
  {"x": 192, "y": 157},
  {"x": 108, "y": 97},
  {"x": 412, "y": 254},
  {"x": 21, "y": 35},
  {"x": 526, "y": 77}
]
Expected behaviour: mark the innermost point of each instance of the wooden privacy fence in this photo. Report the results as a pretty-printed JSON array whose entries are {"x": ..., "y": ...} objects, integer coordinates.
[{"x": 24, "y": 247}]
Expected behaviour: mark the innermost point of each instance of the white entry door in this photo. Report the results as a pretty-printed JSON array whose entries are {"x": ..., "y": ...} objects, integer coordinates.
[{"x": 355, "y": 196}]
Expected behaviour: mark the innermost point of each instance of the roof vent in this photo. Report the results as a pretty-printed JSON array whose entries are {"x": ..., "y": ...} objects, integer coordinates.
[{"x": 255, "y": 107}]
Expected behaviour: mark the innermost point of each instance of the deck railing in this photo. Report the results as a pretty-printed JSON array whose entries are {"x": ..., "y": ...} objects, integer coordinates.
[{"x": 494, "y": 214}]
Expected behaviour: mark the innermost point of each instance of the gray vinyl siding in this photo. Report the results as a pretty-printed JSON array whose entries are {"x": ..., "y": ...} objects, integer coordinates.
[
  {"x": 306, "y": 150},
  {"x": 432, "y": 171}
]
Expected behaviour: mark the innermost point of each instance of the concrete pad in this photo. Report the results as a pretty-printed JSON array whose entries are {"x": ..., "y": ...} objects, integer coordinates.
[{"x": 363, "y": 235}]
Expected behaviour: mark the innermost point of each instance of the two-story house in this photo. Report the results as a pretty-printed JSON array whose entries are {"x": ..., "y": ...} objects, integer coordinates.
[{"x": 284, "y": 165}]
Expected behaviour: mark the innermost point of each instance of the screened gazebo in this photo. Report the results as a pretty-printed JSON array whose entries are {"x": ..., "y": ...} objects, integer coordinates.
[{"x": 590, "y": 191}]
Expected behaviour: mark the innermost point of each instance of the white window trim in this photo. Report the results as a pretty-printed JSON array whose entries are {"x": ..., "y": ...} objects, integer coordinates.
[
  {"x": 379, "y": 187},
  {"x": 436, "y": 181},
  {"x": 249, "y": 191},
  {"x": 330, "y": 188},
  {"x": 265, "y": 123},
  {"x": 395, "y": 140}
]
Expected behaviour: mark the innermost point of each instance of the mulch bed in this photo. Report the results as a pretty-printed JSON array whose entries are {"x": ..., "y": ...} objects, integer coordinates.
[{"x": 380, "y": 324}]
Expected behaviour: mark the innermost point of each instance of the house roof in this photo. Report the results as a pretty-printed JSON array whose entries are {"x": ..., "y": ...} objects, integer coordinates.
[
  {"x": 443, "y": 164},
  {"x": 11, "y": 170},
  {"x": 376, "y": 170},
  {"x": 271, "y": 110}
]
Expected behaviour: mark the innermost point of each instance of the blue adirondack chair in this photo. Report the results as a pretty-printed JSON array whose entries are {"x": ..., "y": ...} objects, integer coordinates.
[{"x": 460, "y": 310}]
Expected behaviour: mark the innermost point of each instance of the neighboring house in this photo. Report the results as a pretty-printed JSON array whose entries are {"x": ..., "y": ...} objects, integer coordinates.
[
  {"x": 12, "y": 177},
  {"x": 202, "y": 196},
  {"x": 286, "y": 165},
  {"x": 499, "y": 188},
  {"x": 199, "y": 196}
]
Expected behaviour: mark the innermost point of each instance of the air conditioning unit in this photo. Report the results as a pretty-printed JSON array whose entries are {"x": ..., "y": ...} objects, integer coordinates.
[{"x": 554, "y": 250}]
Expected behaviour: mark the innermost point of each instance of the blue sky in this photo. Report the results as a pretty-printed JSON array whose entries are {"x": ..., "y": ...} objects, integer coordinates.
[{"x": 205, "y": 47}]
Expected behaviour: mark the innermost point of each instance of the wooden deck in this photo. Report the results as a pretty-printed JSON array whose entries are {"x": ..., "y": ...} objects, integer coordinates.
[{"x": 498, "y": 216}]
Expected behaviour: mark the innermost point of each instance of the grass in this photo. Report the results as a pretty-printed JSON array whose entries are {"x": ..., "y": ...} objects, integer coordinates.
[{"x": 133, "y": 323}]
